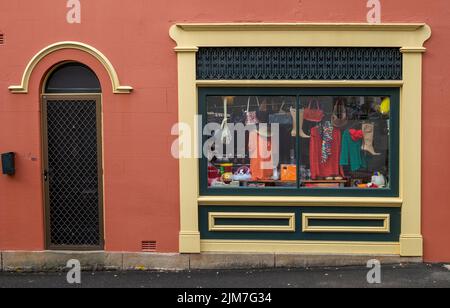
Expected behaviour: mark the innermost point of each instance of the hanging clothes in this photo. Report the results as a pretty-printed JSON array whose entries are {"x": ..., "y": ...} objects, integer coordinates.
[
  {"x": 260, "y": 150},
  {"x": 351, "y": 151},
  {"x": 324, "y": 153},
  {"x": 326, "y": 132}
]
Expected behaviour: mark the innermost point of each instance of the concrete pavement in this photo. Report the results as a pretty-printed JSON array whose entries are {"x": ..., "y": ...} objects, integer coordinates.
[{"x": 408, "y": 276}]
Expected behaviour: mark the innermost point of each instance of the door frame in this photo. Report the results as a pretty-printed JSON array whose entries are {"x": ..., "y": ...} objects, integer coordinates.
[{"x": 44, "y": 128}]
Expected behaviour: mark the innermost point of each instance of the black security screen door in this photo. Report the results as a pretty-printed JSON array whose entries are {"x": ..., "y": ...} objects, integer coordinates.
[
  {"x": 72, "y": 171},
  {"x": 71, "y": 118}
]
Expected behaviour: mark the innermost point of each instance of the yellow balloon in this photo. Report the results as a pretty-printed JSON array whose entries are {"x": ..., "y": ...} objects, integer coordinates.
[{"x": 385, "y": 106}]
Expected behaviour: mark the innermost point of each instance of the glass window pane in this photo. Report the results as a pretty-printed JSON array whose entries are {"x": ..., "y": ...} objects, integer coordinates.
[
  {"x": 251, "y": 142},
  {"x": 344, "y": 142},
  {"x": 73, "y": 78}
]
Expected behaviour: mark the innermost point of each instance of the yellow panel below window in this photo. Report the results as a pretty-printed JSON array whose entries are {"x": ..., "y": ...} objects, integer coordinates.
[
  {"x": 289, "y": 217},
  {"x": 385, "y": 218}
]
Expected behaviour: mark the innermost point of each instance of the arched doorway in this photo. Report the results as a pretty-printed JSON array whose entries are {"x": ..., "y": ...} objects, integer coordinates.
[{"x": 72, "y": 151}]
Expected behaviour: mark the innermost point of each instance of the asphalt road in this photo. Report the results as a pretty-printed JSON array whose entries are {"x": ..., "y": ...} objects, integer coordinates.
[{"x": 427, "y": 276}]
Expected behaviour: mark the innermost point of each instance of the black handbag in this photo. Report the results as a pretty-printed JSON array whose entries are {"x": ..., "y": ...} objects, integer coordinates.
[{"x": 281, "y": 117}]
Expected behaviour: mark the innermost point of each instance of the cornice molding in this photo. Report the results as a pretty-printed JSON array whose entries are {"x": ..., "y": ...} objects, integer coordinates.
[{"x": 195, "y": 35}]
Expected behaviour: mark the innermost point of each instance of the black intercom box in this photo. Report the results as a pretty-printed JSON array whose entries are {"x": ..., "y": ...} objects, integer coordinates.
[{"x": 8, "y": 166}]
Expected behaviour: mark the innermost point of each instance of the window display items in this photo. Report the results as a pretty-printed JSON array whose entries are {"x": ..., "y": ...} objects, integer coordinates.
[
  {"x": 325, "y": 142},
  {"x": 281, "y": 117},
  {"x": 368, "y": 132},
  {"x": 351, "y": 154},
  {"x": 288, "y": 173},
  {"x": 242, "y": 174},
  {"x": 385, "y": 106},
  {"x": 313, "y": 114},
  {"x": 339, "y": 117},
  {"x": 257, "y": 166},
  {"x": 294, "y": 121},
  {"x": 226, "y": 168},
  {"x": 225, "y": 129},
  {"x": 251, "y": 118},
  {"x": 213, "y": 174},
  {"x": 379, "y": 179},
  {"x": 260, "y": 150},
  {"x": 325, "y": 146}
]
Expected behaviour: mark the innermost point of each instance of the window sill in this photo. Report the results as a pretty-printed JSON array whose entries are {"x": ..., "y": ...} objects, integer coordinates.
[{"x": 300, "y": 201}]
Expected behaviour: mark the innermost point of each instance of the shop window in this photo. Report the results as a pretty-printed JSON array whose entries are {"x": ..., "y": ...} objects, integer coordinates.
[{"x": 300, "y": 141}]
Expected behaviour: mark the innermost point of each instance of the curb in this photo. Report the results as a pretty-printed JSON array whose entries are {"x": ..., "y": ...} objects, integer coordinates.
[{"x": 119, "y": 261}]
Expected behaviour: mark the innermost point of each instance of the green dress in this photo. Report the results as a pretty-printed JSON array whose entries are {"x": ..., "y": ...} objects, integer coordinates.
[{"x": 351, "y": 153}]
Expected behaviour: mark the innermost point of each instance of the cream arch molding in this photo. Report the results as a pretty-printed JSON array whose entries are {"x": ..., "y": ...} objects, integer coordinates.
[
  {"x": 409, "y": 37},
  {"x": 23, "y": 87}
]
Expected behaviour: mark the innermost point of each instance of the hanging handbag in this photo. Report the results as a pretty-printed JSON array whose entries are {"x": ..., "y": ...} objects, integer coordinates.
[
  {"x": 339, "y": 117},
  {"x": 238, "y": 116},
  {"x": 313, "y": 114},
  {"x": 282, "y": 117},
  {"x": 226, "y": 136},
  {"x": 250, "y": 116}
]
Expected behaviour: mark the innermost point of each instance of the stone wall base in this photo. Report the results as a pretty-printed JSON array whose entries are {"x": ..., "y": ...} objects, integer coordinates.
[{"x": 100, "y": 261}]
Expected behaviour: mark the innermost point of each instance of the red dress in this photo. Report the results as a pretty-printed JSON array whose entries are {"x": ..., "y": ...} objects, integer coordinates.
[{"x": 331, "y": 168}]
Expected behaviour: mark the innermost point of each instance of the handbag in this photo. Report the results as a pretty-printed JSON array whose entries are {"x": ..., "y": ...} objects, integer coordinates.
[
  {"x": 250, "y": 116},
  {"x": 288, "y": 173},
  {"x": 238, "y": 117},
  {"x": 226, "y": 136},
  {"x": 282, "y": 117},
  {"x": 313, "y": 114},
  {"x": 339, "y": 117}
]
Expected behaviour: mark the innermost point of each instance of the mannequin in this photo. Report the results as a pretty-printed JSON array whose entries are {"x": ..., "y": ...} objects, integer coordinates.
[
  {"x": 294, "y": 121},
  {"x": 368, "y": 131}
]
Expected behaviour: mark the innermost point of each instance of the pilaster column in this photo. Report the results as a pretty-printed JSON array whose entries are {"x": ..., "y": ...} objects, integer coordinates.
[
  {"x": 189, "y": 238},
  {"x": 411, "y": 240}
]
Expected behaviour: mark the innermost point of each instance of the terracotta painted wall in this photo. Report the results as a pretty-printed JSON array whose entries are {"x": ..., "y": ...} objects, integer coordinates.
[{"x": 141, "y": 177}]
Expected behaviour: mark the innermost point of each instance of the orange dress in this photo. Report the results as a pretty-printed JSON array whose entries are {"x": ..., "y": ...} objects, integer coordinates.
[{"x": 260, "y": 150}]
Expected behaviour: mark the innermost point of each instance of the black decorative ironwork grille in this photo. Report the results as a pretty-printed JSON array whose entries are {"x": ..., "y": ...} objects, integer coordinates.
[
  {"x": 73, "y": 173},
  {"x": 299, "y": 63}
]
